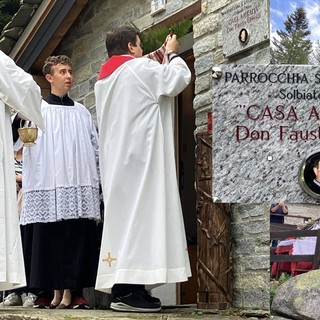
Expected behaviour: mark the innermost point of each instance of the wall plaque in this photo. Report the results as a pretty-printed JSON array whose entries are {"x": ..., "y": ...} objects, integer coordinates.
[
  {"x": 157, "y": 6},
  {"x": 309, "y": 176},
  {"x": 244, "y": 25},
  {"x": 266, "y": 124}
]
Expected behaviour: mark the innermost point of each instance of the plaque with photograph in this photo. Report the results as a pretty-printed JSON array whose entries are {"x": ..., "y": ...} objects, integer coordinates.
[{"x": 309, "y": 175}]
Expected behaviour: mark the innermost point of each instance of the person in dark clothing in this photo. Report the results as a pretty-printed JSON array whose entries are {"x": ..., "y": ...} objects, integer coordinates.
[
  {"x": 278, "y": 209},
  {"x": 277, "y": 212}
]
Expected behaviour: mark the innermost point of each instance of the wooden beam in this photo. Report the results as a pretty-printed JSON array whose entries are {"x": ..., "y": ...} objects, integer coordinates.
[
  {"x": 293, "y": 233},
  {"x": 289, "y": 215},
  {"x": 59, "y": 35},
  {"x": 292, "y": 258},
  {"x": 34, "y": 30},
  {"x": 282, "y": 227}
]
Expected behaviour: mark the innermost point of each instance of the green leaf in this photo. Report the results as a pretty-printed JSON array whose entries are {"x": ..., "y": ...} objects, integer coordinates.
[{"x": 152, "y": 39}]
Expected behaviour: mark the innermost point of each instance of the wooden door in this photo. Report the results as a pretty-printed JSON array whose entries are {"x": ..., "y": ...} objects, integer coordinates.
[{"x": 214, "y": 263}]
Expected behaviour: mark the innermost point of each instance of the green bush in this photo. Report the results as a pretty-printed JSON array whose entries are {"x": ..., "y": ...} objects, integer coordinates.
[{"x": 152, "y": 39}]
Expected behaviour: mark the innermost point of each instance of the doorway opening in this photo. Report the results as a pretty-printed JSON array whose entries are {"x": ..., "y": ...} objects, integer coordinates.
[{"x": 185, "y": 127}]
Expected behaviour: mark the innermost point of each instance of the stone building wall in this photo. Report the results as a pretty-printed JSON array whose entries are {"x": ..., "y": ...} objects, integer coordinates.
[
  {"x": 250, "y": 222},
  {"x": 251, "y": 255},
  {"x": 85, "y": 45}
]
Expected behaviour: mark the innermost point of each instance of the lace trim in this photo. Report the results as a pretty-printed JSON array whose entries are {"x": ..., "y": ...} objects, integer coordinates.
[{"x": 60, "y": 203}]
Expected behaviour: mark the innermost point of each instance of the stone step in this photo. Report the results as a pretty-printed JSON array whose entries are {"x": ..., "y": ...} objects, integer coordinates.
[{"x": 21, "y": 313}]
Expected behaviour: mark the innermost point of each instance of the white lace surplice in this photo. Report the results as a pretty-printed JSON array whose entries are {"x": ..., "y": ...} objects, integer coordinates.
[{"x": 60, "y": 175}]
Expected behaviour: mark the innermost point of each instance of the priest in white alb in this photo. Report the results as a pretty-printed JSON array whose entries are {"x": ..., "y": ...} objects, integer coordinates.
[
  {"x": 19, "y": 91},
  {"x": 144, "y": 241}
]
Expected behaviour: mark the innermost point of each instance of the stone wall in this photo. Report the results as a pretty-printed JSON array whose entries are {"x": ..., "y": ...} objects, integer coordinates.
[
  {"x": 85, "y": 45},
  {"x": 251, "y": 255}
]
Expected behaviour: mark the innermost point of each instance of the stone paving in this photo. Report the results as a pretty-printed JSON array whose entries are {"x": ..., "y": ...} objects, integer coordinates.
[{"x": 21, "y": 313}]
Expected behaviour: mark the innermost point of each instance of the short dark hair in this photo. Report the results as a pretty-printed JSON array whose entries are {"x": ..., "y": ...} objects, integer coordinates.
[
  {"x": 53, "y": 61},
  {"x": 316, "y": 163},
  {"x": 117, "y": 40}
]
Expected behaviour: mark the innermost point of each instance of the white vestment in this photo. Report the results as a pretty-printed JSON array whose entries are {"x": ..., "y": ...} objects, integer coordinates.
[
  {"x": 143, "y": 238},
  {"x": 60, "y": 173},
  {"x": 19, "y": 91}
]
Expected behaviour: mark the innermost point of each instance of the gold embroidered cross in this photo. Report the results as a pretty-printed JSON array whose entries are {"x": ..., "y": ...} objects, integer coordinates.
[{"x": 109, "y": 259}]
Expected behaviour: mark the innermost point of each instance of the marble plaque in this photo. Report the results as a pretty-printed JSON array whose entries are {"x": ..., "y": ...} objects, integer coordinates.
[
  {"x": 266, "y": 133},
  {"x": 244, "y": 25},
  {"x": 157, "y": 6}
]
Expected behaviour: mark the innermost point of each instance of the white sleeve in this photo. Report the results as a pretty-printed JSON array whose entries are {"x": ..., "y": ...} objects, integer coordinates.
[
  {"x": 167, "y": 80},
  {"x": 20, "y": 91}
]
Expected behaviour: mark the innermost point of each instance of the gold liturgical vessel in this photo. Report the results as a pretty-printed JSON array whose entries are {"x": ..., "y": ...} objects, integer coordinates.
[{"x": 28, "y": 135}]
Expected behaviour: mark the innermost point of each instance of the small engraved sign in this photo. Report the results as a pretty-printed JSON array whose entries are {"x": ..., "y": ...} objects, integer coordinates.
[
  {"x": 157, "y": 6},
  {"x": 240, "y": 17}
]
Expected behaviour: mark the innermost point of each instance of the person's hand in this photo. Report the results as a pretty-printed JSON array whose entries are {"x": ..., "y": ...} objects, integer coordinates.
[
  {"x": 283, "y": 207},
  {"x": 168, "y": 37},
  {"x": 172, "y": 43}
]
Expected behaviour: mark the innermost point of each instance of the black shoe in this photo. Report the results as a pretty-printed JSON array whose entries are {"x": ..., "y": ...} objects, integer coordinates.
[
  {"x": 43, "y": 300},
  {"x": 134, "y": 302},
  {"x": 148, "y": 297},
  {"x": 41, "y": 303}
]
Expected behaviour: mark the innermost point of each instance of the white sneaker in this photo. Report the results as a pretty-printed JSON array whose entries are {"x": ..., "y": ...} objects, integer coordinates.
[
  {"x": 12, "y": 299},
  {"x": 29, "y": 300}
]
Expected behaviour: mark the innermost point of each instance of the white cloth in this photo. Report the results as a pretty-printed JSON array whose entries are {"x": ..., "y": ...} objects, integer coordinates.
[
  {"x": 284, "y": 243},
  {"x": 304, "y": 246},
  {"x": 19, "y": 91},
  {"x": 60, "y": 173},
  {"x": 143, "y": 238}
]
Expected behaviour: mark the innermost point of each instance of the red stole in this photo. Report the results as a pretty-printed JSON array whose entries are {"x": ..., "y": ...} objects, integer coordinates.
[{"x": 112, "y": 64}]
